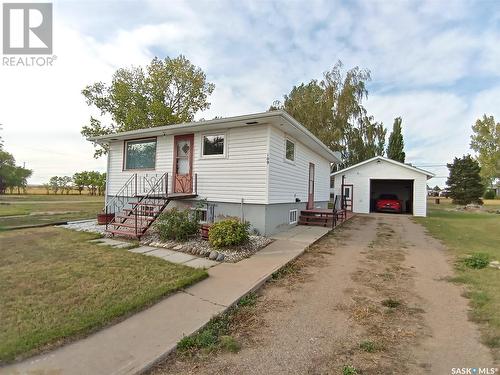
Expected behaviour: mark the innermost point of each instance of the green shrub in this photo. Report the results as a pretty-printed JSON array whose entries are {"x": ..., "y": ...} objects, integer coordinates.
[
  {"x": 349, "y": 370},
  {"x": 228, "y": 233},
  {"x": 177, "y": 225},
  {"x": 477, "y": 260},
  {"x": 489, "y": 194},
  {"x": 370, "y": 346}
]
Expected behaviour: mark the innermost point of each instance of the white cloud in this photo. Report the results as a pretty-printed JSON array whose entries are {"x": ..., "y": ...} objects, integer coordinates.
[{"x": 423, "y": 57}]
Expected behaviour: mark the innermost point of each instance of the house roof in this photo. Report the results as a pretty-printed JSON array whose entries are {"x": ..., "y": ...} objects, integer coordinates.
[
  {"x": 402, "y": 165},
  {"x": 280, "y": 119}
]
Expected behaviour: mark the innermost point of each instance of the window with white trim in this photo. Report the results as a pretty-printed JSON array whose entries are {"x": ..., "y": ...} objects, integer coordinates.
[
  {"x": 213, "y": 145},
  {"x": 140, "y": 154},
  {"x": 289, "y": 150},
  {"x": 292, "y": 217}
]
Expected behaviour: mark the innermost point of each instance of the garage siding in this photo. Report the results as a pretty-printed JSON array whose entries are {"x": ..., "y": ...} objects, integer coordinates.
[{"x": 380, "y": 169}]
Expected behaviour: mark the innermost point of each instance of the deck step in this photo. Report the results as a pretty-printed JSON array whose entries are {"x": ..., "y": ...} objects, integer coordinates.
[
  {"x": 147, "y": 204},
  {"x": 143, "y": 217},
  {"x": 124, "y": 232},
  {"x": 126, "y": 225},
  {"x": 315, "y": 218},
  {"x": 316, "y": 224},
  {"x": 141, "y": 213}
]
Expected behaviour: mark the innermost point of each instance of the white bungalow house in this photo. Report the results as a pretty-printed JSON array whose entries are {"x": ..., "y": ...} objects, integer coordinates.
[{"x": 263, "y": 168}]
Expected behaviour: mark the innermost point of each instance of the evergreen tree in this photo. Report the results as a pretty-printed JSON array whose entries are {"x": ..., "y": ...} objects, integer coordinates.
[
  {"x": 464, "y": 181},
  {"x": 395, "y": 148}
]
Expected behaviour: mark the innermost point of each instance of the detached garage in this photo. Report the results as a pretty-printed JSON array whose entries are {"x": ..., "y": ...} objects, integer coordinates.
[{"x": 381, "y": 184}]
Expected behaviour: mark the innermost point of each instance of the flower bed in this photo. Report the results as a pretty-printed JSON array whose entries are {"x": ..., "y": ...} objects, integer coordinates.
[{"x": 199, "y": 247}]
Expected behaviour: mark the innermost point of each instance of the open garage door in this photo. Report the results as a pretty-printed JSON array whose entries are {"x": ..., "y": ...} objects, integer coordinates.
[{"x": 402, "y": 189}]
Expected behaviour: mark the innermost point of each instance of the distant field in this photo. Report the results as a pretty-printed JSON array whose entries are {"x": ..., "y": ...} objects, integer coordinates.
[
  {"x": 41, "y": 190},
  {"x": 489, "y": 204},
  {"x": 20, "y": 210}
]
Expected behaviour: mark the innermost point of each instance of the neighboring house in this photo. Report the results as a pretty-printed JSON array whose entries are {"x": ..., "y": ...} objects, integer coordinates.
[
  {"x": 362, "y": 184},
  {"x": 263, "y": 168}
]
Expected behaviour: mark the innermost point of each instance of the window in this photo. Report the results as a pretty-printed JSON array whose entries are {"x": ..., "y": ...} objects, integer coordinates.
[
  {"x": 292, "y": 217},
  {"x": 289, "y": 150},
  {"x": 213, "y": 145},
  {"x": 140, "y": 154},
  {"x": 201, "y": 214}
]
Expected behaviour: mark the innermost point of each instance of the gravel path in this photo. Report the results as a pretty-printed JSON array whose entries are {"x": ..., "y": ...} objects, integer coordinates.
[{"x": 371, "y": 296}]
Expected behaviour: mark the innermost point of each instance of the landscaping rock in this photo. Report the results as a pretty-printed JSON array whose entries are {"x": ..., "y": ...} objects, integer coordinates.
[
  {"x": 220, "y": 257},
  {"x": 495, "y": 264},
  {"x": 213, "y": 255},
  {"x": 199, "y": 247}
]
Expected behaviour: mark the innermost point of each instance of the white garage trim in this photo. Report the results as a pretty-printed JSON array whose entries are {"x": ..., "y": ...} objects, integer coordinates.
[
  {"x": 362, "y": 174},
  {"x": 411, "y": 167}
]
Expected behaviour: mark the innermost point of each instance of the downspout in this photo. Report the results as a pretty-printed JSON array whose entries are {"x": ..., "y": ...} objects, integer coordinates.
[{"x": 342, "y": 193}]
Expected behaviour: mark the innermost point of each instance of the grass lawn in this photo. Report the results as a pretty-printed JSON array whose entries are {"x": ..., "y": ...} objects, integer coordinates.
[
  {"x": 54, "y": 285},
  {"x": 18, "y": 210},
  {"x": 466, "y": 233}
]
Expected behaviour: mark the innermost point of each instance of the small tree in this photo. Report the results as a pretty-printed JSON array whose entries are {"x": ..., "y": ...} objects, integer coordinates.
[
  {"x": 79, "y": 180},
  {"x": 65, "y": 184},
  {"x": 395, "y": 147},
  {"x": 485, "y": 141},
  {"x": 101, "y": 183},
  {"x": 464, "y": 181},
  {"x": 54, "y": 184}
]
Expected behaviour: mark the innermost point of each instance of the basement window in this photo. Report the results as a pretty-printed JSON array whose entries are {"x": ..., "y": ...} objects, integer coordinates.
[{"x": 292, "y": 217}]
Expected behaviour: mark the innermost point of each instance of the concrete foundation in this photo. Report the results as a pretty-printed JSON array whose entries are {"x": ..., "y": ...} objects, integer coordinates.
[{"x": 265, "y": 219}]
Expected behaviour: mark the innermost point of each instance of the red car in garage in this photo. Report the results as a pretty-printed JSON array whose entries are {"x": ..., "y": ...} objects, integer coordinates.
[{"x": 388, "y": 203}]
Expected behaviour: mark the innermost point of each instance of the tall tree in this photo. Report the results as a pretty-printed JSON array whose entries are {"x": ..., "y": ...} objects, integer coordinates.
[
  {"x": 464, "y": 181},
  {"x": 395, "y": 148},
  {"x": 167, "y": 91},
  {"x": 332, "y": 109},
  {"x": 12, "y": 176},
  {"x": 486, "y": 142}
]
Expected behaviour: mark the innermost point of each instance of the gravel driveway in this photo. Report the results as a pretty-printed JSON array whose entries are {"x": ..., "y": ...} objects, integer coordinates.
[{"x": 373, "y": 296}]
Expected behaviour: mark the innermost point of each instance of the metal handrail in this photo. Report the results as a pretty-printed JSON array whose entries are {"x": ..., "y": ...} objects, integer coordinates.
[{"x": 156, "y": 191}]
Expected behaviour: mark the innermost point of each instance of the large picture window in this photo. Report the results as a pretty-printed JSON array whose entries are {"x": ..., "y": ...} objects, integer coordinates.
[
  {"x": 213, "y": 145},
  {"x": 140, "y": 154}
]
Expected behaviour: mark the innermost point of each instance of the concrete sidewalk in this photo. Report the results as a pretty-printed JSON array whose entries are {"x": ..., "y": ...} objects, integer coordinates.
[{"x": 138, "y": 342}]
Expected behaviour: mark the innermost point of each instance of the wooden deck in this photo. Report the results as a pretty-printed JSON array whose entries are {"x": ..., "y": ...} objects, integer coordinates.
[{"x": 324, "y": 217}]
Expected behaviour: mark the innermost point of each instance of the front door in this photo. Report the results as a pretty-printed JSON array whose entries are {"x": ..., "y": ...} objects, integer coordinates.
[
  {"x": 310, "y": 194},
  {"x": 183, "y": 163}
]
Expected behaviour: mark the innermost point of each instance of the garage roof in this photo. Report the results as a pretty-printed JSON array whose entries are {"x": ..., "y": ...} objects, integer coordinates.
[{"x": 410, "y": 167}]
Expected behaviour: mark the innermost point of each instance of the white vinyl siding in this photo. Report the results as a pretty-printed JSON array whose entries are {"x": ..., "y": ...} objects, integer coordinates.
[
  {"x": 253, "y": 168},
  {"x": 288, "y": 181},
  {"x": 241, "y": 173},
  {"x": 360, "y": 177},
  {"x": 117, "y": 176}
]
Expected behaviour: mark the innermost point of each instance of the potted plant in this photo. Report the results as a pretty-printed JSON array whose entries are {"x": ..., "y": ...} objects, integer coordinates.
[
  {"x": 204, "y": 229},
  {"x": 104, "y": 218}
]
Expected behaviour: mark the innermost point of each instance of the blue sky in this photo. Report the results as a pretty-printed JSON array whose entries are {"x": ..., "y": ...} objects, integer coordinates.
[{"x": 435, "y": 63}]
